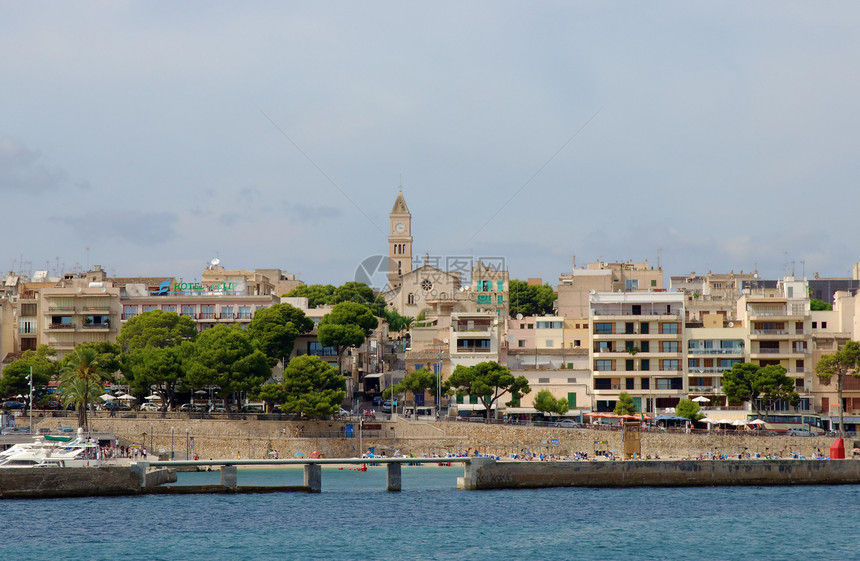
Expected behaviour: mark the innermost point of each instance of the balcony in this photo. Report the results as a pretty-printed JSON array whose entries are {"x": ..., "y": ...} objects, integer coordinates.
[
  {"x": 97, "y": 326},
  {"x": 62, "y": 327},
  {"x": 737, "y": 351},
  {"x": 769, "y": 332}
]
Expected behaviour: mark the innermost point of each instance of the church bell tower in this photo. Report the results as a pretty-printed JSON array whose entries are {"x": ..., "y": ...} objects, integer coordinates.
[{"x": 399, "y": 242}]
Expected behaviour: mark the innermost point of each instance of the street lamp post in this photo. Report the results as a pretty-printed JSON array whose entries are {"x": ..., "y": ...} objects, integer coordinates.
[
  {"x": 171, "y": 443},
  {"x": 439, "y": 387},
  {"x": 151, "y": 430},
  {"x": 186, "y": 443},
  {"x": 30, "y": 377}
]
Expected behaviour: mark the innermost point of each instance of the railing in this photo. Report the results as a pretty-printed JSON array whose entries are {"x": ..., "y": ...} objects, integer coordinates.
[
  {"x": 207, "y": 315},
  {"x": 768, "y": 351},
  {"x": 474, "y": 350},
  {"x": 769, "y": 332},
  {"x": 96, "y": 326},
  {"x": 66, "y": 326},
  {"x": 737, "y": 351}
]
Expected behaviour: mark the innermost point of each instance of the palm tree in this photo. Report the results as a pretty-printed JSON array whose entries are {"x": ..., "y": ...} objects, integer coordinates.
[{"x": 80, "y": 381}]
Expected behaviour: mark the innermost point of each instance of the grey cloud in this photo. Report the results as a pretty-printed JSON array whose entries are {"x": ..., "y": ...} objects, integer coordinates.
[
  {"x": 23, "y": 170},
  {"x": 309, "y": 213},
  {"x": 139, "y": 228}
]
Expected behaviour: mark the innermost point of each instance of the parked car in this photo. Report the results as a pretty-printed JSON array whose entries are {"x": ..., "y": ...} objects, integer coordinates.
[
  {"x": 377, "y": 400},
  {"x": 192, "y": 407},
  {"x": 252, "y": 409},
  {"x": 800, "y": 432},
  {"x": 386, "y": 406},
  {"x": 12, "y": 404},
  {"x": 217, "y": 409},
  {"x": 343, "y": 413},
  {"x": 568, "y": 424},
  {"x": 149, "y": 407},
  {"x": 115, "y": 406}
]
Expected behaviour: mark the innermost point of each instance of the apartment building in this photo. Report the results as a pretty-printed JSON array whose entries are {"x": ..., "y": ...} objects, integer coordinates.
[
  {"x": 637, "y": 345},
  {"x": 574, "y": 288},
  {"x": 780, "y": 332},
  {"x": 490, "y": 290}
]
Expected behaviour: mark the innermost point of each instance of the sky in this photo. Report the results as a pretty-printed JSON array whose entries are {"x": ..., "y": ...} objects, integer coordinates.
[{"x": 151, "y": 137}]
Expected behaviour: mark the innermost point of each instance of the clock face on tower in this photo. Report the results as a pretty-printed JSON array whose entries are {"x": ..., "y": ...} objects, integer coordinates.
[{"x": 399, "y": 227}]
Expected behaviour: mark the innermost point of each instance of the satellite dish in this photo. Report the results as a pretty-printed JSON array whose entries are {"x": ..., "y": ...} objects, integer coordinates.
[
  {"x": 445, "y": 341},
  {"x": 519, "y": 316},
  {"x": 215, "y": 261},
  {"x": 731, "y": 324}
]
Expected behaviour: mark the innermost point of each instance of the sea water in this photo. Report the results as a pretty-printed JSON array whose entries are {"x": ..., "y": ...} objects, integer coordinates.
[{"x": 355, "y": 518}]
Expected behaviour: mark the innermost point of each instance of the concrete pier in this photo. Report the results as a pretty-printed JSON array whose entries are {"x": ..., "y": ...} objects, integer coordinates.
[
  {"x": 484, "y": 473},
  {"x": 228, "y": 476},
  {"x": 313, "y": 477}
]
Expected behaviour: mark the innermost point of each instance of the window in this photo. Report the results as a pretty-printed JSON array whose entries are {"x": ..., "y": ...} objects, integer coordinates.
[
  {"x": 543, "y": 380},
  {"x": 169, "y": 308},
  {"x": 315, "y": 348},
  {"x": 603, "y": 365},
  {"x": 571, "y": 380},
  {"x": 603, "y": 328},
  {"x": 814, "y": 324},
  {"x": 500, "y": 299},
  {"x": 670, "y": 346},
  {"x": 653, "y": 282},
  {"x": 129, "y": 311},
  {"x": 692, "y": 363},
  {"x": 669, "y": 365},
  {"x": 28, "y": 310},
  {"x": 410, "y": 299},
  {"x": 577, "y": 343},
  {"x": 426, "y": 285},
  {"x": 188, "y": 310},
  {"x": 643, "y": 327},
  {"x": 645, "y": 384},
  {"x": 28, "y": 326},
  {"x": 628, "y": 328},
  {"x": 604, "y": 346},
  {"x": 571, "y": 400},
  {"x": 629, "y": 365},
  {"x": 726, "y": 363},
  {"x": 823, "y": 325},
  {"x": 630, "y": 383},
  {"x": 530, "y": 326},
  {"x": 631, "y": 284},
  {"x": 550, "y": 343},
  {"x": 226, "y": 312},
  {"x": 485, "y": 299},
  {"x": 603, "y": 384},
  {"x": 645, "y": 346},
  {"x": 244, "y": 312},
  {"x": 500, "y": 285},
  {"x": 149, "y": 308},
  {"x": 645, "y": 364},
  {"x": 207, "y": 311},
  {"x": 521, "y": 343},
  {"x": 522, "y": 326},
  {"x": 670, "y": 328}
]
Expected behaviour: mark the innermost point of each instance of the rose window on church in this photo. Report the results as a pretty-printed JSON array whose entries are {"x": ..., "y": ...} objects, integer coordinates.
[{"x": 426, "y": 285}]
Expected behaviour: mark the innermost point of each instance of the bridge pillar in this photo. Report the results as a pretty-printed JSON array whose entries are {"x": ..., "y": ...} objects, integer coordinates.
[
  {"x": 228, "y": 476},
  {"x": 140, "y": 468},
  {"x": 394, "y": 476},
  {"x": 313, "y": 477}
]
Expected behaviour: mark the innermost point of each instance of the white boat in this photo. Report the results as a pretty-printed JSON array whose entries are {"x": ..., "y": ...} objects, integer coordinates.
[{"x": 80, "y": 452}]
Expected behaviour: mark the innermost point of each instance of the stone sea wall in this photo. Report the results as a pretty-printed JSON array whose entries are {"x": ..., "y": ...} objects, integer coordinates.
[{"x": 222, "y": 438}]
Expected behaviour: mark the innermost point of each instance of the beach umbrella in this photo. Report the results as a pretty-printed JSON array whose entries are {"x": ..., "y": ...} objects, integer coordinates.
[
  {"x": 739, "y": 423},
  {"x": 316, "y": 454},
  {"x": 756, "y": 422},
  {"x": 702, "y": 399},
  {"x": 153, "y": 396},
  {"x": 107, "y": 397},
  {"x": 298, "y": 454},
  {"x": 126, "y": 397},
  {"x": 710, "y": 421}
]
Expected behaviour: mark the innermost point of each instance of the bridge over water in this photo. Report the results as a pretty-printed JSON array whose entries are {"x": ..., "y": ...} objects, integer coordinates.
[{"x": 312, "y": 468}]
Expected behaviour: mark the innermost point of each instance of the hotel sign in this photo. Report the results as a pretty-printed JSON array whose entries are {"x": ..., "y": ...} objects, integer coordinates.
[{"x": 225, "y": 287}]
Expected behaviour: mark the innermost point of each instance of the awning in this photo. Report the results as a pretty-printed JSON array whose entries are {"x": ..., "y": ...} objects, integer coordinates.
[
  {"x": 470, "y": 406},
  {"x": 374, "y": 375},
  {"x": 520, "y": 410}
]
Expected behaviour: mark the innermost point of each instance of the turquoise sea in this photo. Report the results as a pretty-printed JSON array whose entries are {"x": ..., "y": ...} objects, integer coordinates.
[{"x": 355, "y": 518}]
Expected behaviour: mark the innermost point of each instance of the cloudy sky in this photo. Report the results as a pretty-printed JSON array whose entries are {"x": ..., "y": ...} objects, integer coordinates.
[{"x": 162, "y": 134}]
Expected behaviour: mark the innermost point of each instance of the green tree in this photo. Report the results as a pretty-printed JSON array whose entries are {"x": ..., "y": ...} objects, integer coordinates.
[
  {"x": 274, "y": 330},
  {"x": 156, "y": 329},
  {"x": 14, "y": 380},
  {"x": 488, "y": 381},
  {"x": 844, "y": 362},
  {"x": 227, "y": 358},
  {"x": 108, "y": 355},
  {"x": 81, "y": 380},
  {"x": 819, "y": 305},
  {"x": 418, "y": 381},
  {"x": 625, "y": 405},
  {"x": 530, "y": 300},
  {"x": 160, "y": 370},
  {"x": 347, "y": 325},
  {"x": 759, "y": 385},
  {"x": 545, "y": 402},
  {"x": 317, "y": 294},
  {"x": 310, "y": 387},
  {"x": 688, "y": 409}
]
